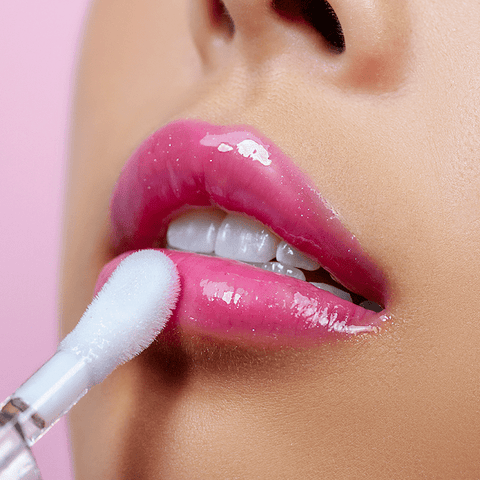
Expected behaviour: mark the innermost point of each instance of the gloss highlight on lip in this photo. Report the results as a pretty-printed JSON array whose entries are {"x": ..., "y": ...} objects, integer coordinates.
[
  {"x": 195, "y": 164},
  {"x": 235, "y": 302}
]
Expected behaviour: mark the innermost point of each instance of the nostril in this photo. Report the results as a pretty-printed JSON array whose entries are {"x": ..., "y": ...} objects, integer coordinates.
[
  {"x": 323, "y": 18},
  {"x": 319, "y": 15},
  {"x": 221, "y": 19}
]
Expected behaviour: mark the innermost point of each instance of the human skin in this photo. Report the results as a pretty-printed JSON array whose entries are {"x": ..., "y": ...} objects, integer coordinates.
[{"x": 388, "y": 132}]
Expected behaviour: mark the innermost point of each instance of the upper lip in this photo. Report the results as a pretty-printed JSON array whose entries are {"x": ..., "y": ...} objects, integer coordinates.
[{"x": 193, "y": 163}]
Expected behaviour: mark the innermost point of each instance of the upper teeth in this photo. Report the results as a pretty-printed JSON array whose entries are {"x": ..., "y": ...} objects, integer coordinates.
[
  {"x": 213, "y": 231},
  {"x": 245, "y": 239},
  {"x": 196, "y": 230},
  {"x": 234, "y": 236},
  {"x": 289, "y": 255}
]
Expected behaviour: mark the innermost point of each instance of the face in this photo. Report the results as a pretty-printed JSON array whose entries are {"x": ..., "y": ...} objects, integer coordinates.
[{"x": 380, "y": 113}]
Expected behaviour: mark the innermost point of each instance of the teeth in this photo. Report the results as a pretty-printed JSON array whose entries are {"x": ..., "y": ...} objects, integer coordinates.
[
  {"x": 245, "y": 239},
  {"x": 336, "y": 291},
  {"x": 290, "y": 256},
  {"x": 282, "y": 269},
  {"x": 196, "y": 230},
  {"x": 212, "y": 231}
]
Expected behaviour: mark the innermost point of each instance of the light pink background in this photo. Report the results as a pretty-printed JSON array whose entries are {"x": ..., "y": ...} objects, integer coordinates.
[{"x": 39, "y": 44}]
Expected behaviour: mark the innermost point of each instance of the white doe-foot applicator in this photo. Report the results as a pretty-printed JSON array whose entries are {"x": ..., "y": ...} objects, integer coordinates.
[{"x": 123, "y": 319}]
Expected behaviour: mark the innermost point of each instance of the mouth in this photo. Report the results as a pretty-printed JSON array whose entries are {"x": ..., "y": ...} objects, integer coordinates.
[{"x": 263, "y": 259}]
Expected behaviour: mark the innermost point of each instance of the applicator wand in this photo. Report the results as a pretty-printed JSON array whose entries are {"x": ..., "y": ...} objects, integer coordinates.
[{"x": 123, "y": 319}]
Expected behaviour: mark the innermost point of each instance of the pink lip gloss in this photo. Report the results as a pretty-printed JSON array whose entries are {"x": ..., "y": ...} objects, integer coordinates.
[
  {"x": 233, "y": 301},
  {"x": 192, "y": 163}
]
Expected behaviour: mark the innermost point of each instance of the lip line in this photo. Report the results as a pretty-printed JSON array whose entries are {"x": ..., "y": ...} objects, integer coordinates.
[{"x": 205, "y": 189}]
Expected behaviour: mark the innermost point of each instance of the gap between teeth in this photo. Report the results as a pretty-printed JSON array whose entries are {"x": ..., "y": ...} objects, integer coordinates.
[{"x": 229, "y": 235}]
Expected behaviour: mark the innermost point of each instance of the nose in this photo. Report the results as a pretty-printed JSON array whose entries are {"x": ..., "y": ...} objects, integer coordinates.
[{"x": 361, "y": 45}]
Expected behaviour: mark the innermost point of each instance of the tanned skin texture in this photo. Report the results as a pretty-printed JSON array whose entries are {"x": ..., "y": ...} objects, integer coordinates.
[{"x": 388, "y": 131}]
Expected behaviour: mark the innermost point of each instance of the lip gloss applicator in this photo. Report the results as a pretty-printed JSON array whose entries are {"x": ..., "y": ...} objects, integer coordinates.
[{"x": 123, "y": 319}]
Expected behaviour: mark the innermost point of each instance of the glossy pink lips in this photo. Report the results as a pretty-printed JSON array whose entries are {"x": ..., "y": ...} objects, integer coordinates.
[{"x": 192, "y": 163}]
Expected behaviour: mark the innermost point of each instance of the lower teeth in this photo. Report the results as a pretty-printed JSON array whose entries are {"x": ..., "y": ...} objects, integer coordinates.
[
  {"x": 336, "y": 291},
  {"x": 282, "y": 269}
]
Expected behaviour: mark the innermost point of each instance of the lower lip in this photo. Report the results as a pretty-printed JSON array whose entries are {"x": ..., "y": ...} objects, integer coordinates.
[{"x": 235, "y": 302}]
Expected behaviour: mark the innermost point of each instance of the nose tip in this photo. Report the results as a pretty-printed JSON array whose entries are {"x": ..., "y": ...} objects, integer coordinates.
[
  {"x": 363, "y": 44},
  {"x": 261, "y": 22}
]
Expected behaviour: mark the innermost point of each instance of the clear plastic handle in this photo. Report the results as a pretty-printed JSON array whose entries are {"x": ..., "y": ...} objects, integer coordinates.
[{"x": 16, "y": 459}]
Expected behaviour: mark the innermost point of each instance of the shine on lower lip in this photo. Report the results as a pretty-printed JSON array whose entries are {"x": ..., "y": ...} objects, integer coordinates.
[
  {"x": 234, "y": 302},
  {"x": 192, "y": 163}
]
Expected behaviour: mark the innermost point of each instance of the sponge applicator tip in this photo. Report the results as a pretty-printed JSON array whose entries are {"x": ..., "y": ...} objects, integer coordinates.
[
  {"x": 123, "y": 319},
  {"x": 127, "y": 314}
]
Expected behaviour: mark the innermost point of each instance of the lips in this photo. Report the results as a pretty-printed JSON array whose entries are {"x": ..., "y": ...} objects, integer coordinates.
[{"x": 194, "y": 164}]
